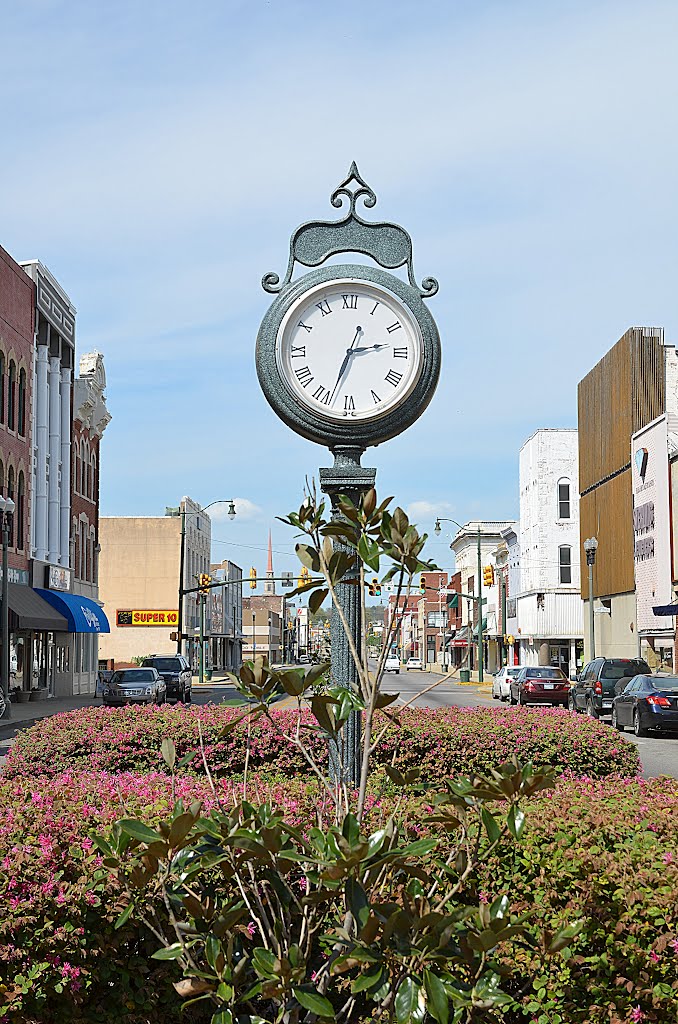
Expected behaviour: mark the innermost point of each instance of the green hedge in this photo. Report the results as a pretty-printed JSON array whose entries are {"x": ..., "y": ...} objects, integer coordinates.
[
  {"x": 601, "y": 851},
  {"x": 442, "y": 743}
]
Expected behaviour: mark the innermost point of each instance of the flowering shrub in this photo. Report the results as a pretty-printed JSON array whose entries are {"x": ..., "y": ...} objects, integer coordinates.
[
  {"x": 442, "y": 742},
  {"x": 599, "y": 850}
]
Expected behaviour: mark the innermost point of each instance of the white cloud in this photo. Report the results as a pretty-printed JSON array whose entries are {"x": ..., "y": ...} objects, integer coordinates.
[
  {"x": 245, "y": 510},
  {"x": 422, "y": 512}
]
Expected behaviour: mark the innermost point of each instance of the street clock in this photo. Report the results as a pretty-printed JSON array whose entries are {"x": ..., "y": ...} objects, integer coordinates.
[{"x": 348, "y": 355}]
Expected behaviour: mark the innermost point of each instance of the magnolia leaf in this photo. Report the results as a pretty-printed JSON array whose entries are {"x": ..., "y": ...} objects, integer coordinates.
[
  {"x": 357, "y": 902},
  {"x": 410, "y": 1002},
  {"x": 317, "y": 1004},
  {"x": 189, "y": 987},
  {"x": 169, "y": 752},
  {"x": 172, "y": 952},
  {"x": 316, "y": 599},
  {"x": 438, "y": 1004},
  {"x": 137, "y": 830},
  {"x": 563, "y": 937},
  {"x": 308, "y": 556},
  {"x": 384, "y": 699},
  {"x": 370, "y": 502},
  {"x": 124, "y": 916},
  {"x": 491, "y": 826},
  {"x": 516, "y": 821}
]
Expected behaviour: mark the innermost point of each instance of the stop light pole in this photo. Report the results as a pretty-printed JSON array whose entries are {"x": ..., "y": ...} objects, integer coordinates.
[{"x": 443, "y": 519}]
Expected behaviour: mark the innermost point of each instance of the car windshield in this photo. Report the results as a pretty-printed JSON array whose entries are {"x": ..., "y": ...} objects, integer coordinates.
[
  {"x": 133, "y": 676},
  {"x": 164, "y": 664},
  {"x": 667, "y": 683},
  {"x": 618, "y": 669},
  {"x": 543, "y": 673},
  {"x": 513, "y": 671}
]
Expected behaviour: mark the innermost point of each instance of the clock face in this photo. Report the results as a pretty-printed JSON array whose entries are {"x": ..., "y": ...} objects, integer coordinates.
[{"x": 348, "y": 349}]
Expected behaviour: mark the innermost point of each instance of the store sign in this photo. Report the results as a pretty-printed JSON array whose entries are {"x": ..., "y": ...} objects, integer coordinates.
[
  {"x": 651, "y": 525},
  {"x": 146, "y": 617},
  {"x": 16, "y": 576},
  {"x": 58, "y": 578}
]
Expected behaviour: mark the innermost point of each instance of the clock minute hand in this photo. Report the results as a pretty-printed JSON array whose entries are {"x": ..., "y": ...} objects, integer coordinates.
[
  {"x": 347, "y": 359},
  {"x": 370, "y": 348}
]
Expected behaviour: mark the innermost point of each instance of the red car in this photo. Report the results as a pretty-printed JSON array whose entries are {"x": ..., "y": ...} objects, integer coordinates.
[{"x": 540, "y": 685}]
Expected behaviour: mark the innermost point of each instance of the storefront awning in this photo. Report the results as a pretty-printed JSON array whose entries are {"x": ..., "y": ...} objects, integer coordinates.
[
  {"x": 82, "y": 614},
  {"x": 475, "y": 631},
  {"x": 460, "y": 638},
  {"x": 666, "y": 609},
  {"x": 27, "y": 610}
]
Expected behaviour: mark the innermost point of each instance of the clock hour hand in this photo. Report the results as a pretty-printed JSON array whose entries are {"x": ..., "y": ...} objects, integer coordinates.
[
  {"x": 347, "y": 359},
  {"x": 370, "y": 348}
]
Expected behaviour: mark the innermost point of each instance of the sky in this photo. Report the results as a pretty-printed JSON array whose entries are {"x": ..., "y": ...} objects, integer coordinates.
[{"x": 158, "y": 156}]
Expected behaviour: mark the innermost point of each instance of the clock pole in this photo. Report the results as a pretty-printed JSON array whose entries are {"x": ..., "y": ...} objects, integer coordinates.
[{"x": 346, "y": 477}]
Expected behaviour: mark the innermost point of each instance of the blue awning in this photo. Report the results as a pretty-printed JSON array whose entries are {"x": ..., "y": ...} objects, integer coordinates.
[
  {"x": 82, "y": 614},
  {"x": 665, "y": 609}
]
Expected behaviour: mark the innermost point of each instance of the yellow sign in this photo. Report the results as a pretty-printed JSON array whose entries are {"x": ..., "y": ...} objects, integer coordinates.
[{"x": 146, "y": 617}]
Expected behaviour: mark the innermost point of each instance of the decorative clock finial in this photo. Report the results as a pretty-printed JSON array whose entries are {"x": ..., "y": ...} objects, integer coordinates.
[{"x": 387, "y": 244}]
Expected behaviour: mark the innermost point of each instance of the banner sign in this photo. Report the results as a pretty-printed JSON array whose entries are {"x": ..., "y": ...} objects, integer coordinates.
[{"x": 142, "y": 617}]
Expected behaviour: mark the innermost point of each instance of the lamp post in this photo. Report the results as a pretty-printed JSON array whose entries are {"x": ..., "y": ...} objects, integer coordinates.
[
  {"x": 6, "y": 512},
  {"x": 442, "y": 519},
  {"x": 590, "y": 547},
  {"x": 182, "y": 555}
]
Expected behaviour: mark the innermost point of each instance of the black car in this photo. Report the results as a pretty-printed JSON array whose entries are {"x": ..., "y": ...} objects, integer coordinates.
[
  {"x": 596, "y": 685},
  {"x": 134, "y": 686},
  {"x": 176, "y": 672},
  {"x": 647, "y": 702},
  {"x": 539, "y": 685}
]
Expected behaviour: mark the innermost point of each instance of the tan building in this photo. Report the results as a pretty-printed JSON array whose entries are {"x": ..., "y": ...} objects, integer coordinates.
[
  {"x": 139, "y": 581},
  {"x": 262, "y": 628}
]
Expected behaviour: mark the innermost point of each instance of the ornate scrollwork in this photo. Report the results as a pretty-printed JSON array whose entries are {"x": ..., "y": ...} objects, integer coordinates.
[{"x": 387, "y": 244}]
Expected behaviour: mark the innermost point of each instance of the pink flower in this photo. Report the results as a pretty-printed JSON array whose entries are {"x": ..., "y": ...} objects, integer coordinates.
[
  {"x": 668, "y": 858},
  {"x": 637, "y": 1014},
  {"x": 654, "y": 958},
  {"x": 251, "y": 928}
]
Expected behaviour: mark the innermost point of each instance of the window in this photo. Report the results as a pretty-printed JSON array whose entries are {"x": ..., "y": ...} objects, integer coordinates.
[
  {"x": 10, "y": 494},
  {"x": 20, "y": 496},
  {"x": 83, "y": 470},
  {"x": 564, "y": 499},
  {"x": 22, "y": 402},
  {"x": 565, "y": 562},
  {"x": 93, "y": 492},
  {"x": 2, "y": 387},
  {"x": 2, "y": 478},
  {"x": 11, "y": 395}
]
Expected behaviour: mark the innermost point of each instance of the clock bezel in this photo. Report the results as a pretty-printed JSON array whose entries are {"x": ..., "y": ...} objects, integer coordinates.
[
  {"x": 360, "y": 432},
  {"x": 399, "y": 308}
]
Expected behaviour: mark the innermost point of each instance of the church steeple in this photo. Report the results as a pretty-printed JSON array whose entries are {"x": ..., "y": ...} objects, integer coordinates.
[{"x": 269, "y": 585}]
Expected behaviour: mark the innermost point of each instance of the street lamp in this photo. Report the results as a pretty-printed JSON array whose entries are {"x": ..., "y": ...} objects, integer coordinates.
[
  {"x": 182, "y": 556},
  {"x": 590, "y": 547},
  {"x": 6, "y": 513},
  {"x": 442, "y": 519}
]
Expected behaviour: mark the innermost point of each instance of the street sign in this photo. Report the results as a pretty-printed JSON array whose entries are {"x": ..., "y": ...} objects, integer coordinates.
[{"x": 287, "y": 579}]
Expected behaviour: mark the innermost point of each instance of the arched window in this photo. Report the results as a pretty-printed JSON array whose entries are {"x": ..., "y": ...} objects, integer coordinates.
[
  {"x": 2, "y": 387},
  {"x": 93, "y": 490},
  {"x": 2, "y": 478},
  {"x": 22, "y": 402},
  {"x": 74, "y": 471},
  {"x": 565, "y": 563},
  {"x": 83, "y": 470},
  {"x": 10, "y": 494},
  {"x": 564, "y": 499},
  {"x": 11, "y": 396},
  {"x": 76, "y": 546},
  {"x": 20, "y": 500}
]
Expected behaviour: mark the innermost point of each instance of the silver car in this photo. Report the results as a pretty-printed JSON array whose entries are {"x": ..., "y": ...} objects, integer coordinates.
[
  {"x": 501, "y": 684},
  {"x": 135, "y": 686}
]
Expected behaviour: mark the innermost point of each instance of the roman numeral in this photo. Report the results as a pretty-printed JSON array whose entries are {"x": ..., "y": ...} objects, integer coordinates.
[
  {"x": 375, "y": 396},
  {"x": 302, "y": 324},
  {"x": 304, "y": 375},
  {"x": 349, "y": 405},
  {"x": 324, "y": 307},
  {"x": 393, "y": 378},
  {"x": 400, "y": 353},
  {"x": 321, "y": 394},
  {"x": 394, "y": 327},
  {"x": 375, "y": 306},
  {"x": 297, "y": 351},
  {"x": 350, "y": 301}
]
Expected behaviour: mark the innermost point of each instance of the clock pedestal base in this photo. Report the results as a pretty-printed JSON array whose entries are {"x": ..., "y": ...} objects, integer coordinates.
[{"x": 347, "y": 477}]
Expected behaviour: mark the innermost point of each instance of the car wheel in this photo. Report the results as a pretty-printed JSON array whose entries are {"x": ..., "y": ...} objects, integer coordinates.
[
  {"x": 571, "y": 704},
  {"x": 188, "y": 696},
  {"x": 521, "y": 700},
  {"x": 616, "y": 724},
  {"x": 590, "y": 710},
  {"x": 495, "y": 696},
  {"x": 512, "y": 700},
  {"x": 638, "y": 729}
]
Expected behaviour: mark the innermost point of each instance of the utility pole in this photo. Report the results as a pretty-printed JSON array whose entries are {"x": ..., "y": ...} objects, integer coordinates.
[
  {"x": 590, "y": 547},
  {"x": 480, "y": 612},
  {"x": 201, "y": 652}
]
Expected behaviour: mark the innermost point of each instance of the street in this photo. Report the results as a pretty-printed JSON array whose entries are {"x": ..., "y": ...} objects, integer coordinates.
[{"x": 659, "y": 754}]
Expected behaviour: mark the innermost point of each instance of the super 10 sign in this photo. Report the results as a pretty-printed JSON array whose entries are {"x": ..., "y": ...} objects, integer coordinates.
[{"x": 146, "y": 617}]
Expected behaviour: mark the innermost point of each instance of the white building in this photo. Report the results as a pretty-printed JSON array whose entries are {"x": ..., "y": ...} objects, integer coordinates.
[
  {"x": 548, "y": 607},
  {"x": 465, "y": 548}
]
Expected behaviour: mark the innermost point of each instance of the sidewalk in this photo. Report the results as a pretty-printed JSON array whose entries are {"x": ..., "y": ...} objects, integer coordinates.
[{"x": 33, "y": 710}]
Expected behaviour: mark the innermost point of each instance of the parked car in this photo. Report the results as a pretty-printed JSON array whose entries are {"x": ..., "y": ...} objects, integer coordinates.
[
  {"x": 647, "y": 702},
  {"x": 594, "y": 688},
  {"x": 392, "y": 664},
  {"x": 134, "y": 686},
  {"x": 501, "y": 684},
  {"x": 539, "y": 685},
  {"x": 176, "y": 672},
  {"x": 413, "y": 665}
]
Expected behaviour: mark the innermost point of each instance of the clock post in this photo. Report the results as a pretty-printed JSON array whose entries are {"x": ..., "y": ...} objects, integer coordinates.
[{"x": 348, "y": 356}]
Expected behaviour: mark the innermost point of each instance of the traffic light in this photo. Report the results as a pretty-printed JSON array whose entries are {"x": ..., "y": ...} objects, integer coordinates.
[
  {"x": 253, "y": 578},
  {"x": 374, "y": 588},
  {"x": 205, "y": 580},
  {"x": 174, "y": 636},
  {"x": 304, "y": 576},
  {"x": 488, "y": 576},
  {"x": 422, "y": 584}
]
